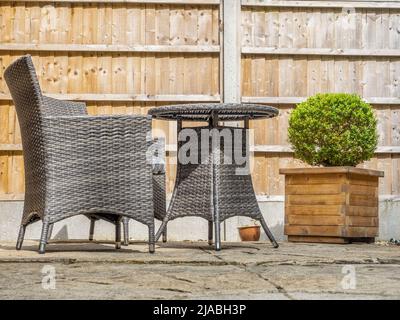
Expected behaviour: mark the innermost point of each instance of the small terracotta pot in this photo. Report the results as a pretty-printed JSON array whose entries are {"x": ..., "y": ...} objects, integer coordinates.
[{"x": 250, "y": 233}]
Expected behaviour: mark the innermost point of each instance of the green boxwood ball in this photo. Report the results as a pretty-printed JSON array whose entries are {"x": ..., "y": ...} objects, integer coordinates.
[{"x": 333, "y": 129}]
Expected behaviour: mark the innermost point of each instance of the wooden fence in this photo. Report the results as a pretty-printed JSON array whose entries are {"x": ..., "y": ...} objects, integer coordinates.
[{"x": 125, "y": 56}]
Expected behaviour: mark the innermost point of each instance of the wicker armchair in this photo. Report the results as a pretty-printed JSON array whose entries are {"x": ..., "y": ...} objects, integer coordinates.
[{"x": 79, "y": 164}]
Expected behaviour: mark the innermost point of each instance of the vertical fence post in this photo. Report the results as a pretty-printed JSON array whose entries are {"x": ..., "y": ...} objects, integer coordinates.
[
  {"x": 231, "y": 63},
  {"x": 231, "y": 51}
]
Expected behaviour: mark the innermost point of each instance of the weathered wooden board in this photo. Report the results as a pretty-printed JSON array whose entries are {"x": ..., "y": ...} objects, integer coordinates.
[
  {"x": 308, "y": 220},
  {"x": 304, "y": 189},
  {"x": 314, "y": 210},
  {"x": 316, "y": 199},
  {"x": 316, "y": 239},
  {"x": 362, "y": 211},
  {"x": 325, "y": 231},
  {"x": 109, "y": 73}
]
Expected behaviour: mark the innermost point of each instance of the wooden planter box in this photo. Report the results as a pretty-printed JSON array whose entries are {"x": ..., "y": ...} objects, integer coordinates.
[{"x": 331, "y": 205}]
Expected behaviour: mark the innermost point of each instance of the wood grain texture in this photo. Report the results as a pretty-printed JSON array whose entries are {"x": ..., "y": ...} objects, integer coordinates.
[
  {"x": 294, "y": 49},
  {"x": 125, "y": 56},
  {"x": 345, "y": 208},
  {"x": 318, "y": 239},
  {"x": 120, "y": 57}
]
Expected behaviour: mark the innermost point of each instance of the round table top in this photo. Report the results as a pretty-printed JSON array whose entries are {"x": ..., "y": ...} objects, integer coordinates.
[{"x": 206, "y": 111}]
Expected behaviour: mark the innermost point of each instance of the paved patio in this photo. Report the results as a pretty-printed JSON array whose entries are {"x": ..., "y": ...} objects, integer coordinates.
[{"x": 192, "y": 270}]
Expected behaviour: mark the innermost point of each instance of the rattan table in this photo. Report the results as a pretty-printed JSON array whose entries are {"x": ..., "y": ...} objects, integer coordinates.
[{"x": 207, "y": 186}]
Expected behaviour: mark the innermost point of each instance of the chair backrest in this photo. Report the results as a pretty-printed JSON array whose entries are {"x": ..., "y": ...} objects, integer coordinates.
[
  {"x": 25, "y": 91},
  {"x": 31, "y": 107}
]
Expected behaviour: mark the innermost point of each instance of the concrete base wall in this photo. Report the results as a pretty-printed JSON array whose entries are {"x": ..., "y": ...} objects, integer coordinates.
[{"x": 180, "y": 229}]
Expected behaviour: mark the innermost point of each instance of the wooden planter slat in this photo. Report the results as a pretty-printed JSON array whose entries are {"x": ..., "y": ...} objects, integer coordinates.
[
  {"x": 329, "y": 210},
  {"x": 317, "y": 239},
  {"x": 331, "y": 205},
  {"x": 316, "y": 220},
  {"x": 362, "y": 211},
  {"x": 362, "y": 221}
]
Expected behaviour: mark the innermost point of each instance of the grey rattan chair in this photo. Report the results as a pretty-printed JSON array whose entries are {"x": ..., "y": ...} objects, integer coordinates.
[{"x": 79, "y": 164}]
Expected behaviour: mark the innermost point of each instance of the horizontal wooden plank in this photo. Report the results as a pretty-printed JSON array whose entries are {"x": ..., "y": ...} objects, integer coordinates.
[
  {"x": 333, "y": 178},
  {"x": 130, "y": 97},
  {"x": 323, "y": 4},
  {"x": 304, "y": 209},
  {"x": 296, "y": 100},
  {"x": 322, "y": 52},
  {"x": 361, "y": 232},
  {"x": 372, "y": 191},
  {"x": 359, "y": 221},
  {"x": 272, "y": 148},
  {"x": 189, "y": 2},
  {"x": 11, "y": 197},
  {"x": 101, "y": 97},
  {"x": 387, "y": 149},
  {"x": 10, "y": 147},
  {"x": 308, "y": 220},
  {"x": 108, "y": 48},
  {"x": 327, "y": 231},
  {"x": 368, "y": 189},
  {"x": 317, "y": 239},
  {"x": 316, "y": 199},
  {"x": 288, "y": 149},
  {"x": 363, "y": 173},
  {"x": 370, "y": 181},
  {"x": 314, "y": 189},
  {"x": 361, "y": 211},
  {"x": 363, "y": 200},
  {"x": 314, "y": 210}
]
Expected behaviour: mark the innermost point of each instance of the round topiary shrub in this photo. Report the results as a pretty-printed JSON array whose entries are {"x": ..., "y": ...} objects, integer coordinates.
[{"x": 333, "y": 129}]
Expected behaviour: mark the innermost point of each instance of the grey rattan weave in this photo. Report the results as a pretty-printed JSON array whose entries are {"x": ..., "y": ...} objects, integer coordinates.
[
  {"x": 209, "y": 189},
  {"x": 157, "y": 151},
  {"x": 79, "y": 164}
]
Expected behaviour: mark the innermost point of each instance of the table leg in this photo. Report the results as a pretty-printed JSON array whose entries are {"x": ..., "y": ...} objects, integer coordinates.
[
  {"x": 50, "y": 232},
  {"x": 210, "y": 232},
  {"x": 125, "y": 224},
  {"x": 268, "y": 232},
  {"x": 164, "y": 235},
  {"x": 215, "y": 208},
  {"x": 161, "y": 229},
  {"x": 217, "y": 225},
  {"x": 262, "y": 221},
  {"x": 118, "y": 234}
]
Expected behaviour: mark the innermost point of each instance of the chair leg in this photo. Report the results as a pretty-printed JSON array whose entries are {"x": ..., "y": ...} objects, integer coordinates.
[
  {"x": 210, "y": 233},
  {"x": 91, "y": 229},
  {"x": 43, "y": 237},
  {"x": 269, "y": 233},
  {"x": 118, "y": 234},
  {"x": 164, "y": 235},
  {"x": 161, "y": 229},
  {"x": 21, "y": 236},
  {"x": 217, "y": 235},
  {"x": 125, "y": 223},
  {"x": 152, "y": 239},
  {"x": 50, "y": 232}
]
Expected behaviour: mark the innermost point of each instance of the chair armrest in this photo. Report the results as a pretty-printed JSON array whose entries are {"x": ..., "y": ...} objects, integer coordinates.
[
  {"x": 82, "y": 122},
  {"x": 104, "y": 155},
  {"x": 55, "y": 107},
  {"x": 107, "y": 132},
  {"x": 157, "y": 151}
]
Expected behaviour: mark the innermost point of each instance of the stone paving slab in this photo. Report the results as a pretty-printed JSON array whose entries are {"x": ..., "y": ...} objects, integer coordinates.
[{"x": 193, "y": 270}]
